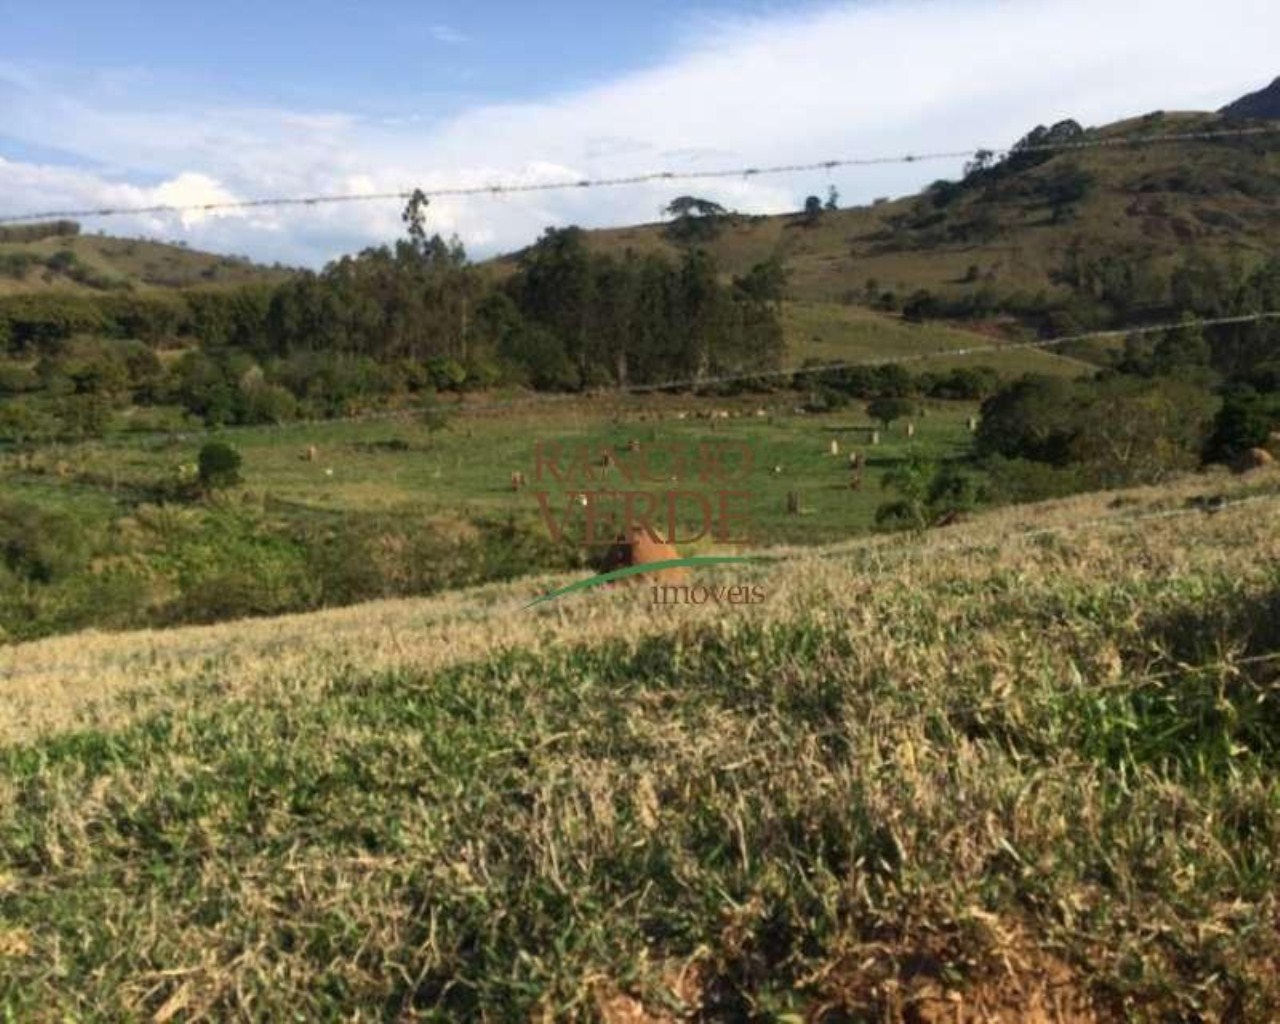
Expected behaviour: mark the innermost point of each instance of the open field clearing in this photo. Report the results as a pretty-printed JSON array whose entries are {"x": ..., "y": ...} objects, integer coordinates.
[
  {"x": 1023, "y": 769},
  {"x": 399, "y": 465}
]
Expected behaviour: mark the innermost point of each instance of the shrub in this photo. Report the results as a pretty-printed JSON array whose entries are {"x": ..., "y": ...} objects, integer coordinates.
[
  {"x": 825, "y": 399},
  {"x": 219, "y": 466},
  {"x": 927, "y": 493},
  {"x": 39, "y": 545},
  {"x": 23, "y": 420},
  {"x": 1245, "y": 421},
  {"x": 267, "y": 403},
  {"x": 886, "y": 410}
]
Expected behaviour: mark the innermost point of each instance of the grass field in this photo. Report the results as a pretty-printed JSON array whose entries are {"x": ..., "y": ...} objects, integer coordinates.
[
  {"x": 390, "y": 465},
  {"x": 1023, "y": 769}
]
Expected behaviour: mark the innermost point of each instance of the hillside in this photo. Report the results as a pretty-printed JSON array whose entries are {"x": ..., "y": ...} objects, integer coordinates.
[
  {"x": 35, "y": 258},
  {"x": 1218, "y": 196},
  {"x": 1022, "y": 769},
  {"x": 1011, "y": 236},
  {"x": 1263, "y": 104}
]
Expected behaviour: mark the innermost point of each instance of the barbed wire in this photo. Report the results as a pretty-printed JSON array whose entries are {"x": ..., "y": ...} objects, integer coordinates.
[{"x": 649, "y": 177}]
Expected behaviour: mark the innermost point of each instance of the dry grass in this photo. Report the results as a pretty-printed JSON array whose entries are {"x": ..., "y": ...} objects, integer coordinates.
[
  {"x": 1022, "y": 769},
  {"x": 100, "y": 680}
]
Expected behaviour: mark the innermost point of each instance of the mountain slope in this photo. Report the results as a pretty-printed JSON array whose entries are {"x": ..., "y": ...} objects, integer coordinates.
[
  {"x": 1012, "y": 232},
  {"x": 1261, "y": 105}
]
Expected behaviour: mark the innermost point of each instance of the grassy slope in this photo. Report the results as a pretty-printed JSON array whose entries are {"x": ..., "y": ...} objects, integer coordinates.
[
  {"x": 832, "y": 259},
  {"x": 833, "y": 331},
  {"x": 144, "y": 264},
  {"x": 989, "y": 771}
]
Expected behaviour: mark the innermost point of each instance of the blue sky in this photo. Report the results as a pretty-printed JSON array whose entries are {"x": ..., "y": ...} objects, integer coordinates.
[
  {"x": 128, "y": 103},
  {"x": 387, "y": 58}
]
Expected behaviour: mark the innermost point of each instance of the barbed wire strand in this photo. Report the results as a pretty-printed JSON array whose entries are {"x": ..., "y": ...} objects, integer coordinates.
[{"x": 516, "y": 187}]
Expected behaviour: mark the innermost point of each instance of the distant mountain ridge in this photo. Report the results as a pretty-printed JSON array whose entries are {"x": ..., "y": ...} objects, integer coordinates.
[{"x": 1261, "y": 105}]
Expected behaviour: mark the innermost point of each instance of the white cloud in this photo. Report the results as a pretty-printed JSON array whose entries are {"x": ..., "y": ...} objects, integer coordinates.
[
  {"x": 445, "y": 34},
  {"x": 852, "y": 80}
]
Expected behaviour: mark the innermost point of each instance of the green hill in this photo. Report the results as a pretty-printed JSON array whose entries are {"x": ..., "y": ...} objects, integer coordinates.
[{"x": 56, "y": 257}]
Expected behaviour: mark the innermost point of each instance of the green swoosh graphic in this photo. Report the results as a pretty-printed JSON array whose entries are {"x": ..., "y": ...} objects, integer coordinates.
[{"x": 633, "y": 570}]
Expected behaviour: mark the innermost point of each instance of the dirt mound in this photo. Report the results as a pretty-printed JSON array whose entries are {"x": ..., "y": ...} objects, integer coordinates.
[{"x": 640, "y": 548}]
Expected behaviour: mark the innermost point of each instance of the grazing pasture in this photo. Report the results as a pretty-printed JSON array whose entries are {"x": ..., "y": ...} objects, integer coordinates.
[{"x": 400, "y": 465}]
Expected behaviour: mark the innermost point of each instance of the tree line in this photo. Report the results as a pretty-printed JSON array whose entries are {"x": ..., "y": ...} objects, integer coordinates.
[{"x": 391, "y": 322}]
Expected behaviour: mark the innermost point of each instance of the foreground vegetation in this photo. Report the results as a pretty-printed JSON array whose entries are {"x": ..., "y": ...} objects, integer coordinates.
[{"x": 1028, "y": 775}]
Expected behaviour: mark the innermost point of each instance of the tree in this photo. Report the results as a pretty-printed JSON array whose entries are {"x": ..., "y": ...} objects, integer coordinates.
[
  {"x": 833, "y": 199},
  {"x": 414, "y": 217},
  {"x": 1181, "y": 349},
  {"x": 812, "y": 209},
  {"x": 1133, "y": 431},
  {"x": 927, "y": 493},
  {"x": 1117, "y": 430},
  {"x": 886, "y": 410},
  {"x": 979, "y": 165},
  {"x": 765, "y": 282},
  {"x": 1245, "y": 421},
  {"x": 1029, "y": 419},
  {"x": 696, "y": 220},
  {"x": 219, "y": 466},
  {"x": 692, "y": 206},
  {"x": 39, "y": 545}
]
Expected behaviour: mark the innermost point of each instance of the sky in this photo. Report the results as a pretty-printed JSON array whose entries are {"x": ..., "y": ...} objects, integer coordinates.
[{"x": 132, "y": 103}]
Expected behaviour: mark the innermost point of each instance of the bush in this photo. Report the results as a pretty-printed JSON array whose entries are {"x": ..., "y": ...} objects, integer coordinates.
[
  {"x": 219, "y": 466},
  {"x": 267, "y": 403},
  {"x": 1119, "y": 430},
  {"x": 825, "y": 399},
  {"x": 927, "y": 493},
  {"x": 84, "y": 416},
  {"x": 886, "y": 410},
  {"x": 24, "y": 420},
  {"x": 1017, "y": 481},
  {"x": 38, "y": 545},
  {"x": 966, "y": 382},
  {"x": 1245, "y": 421}
]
